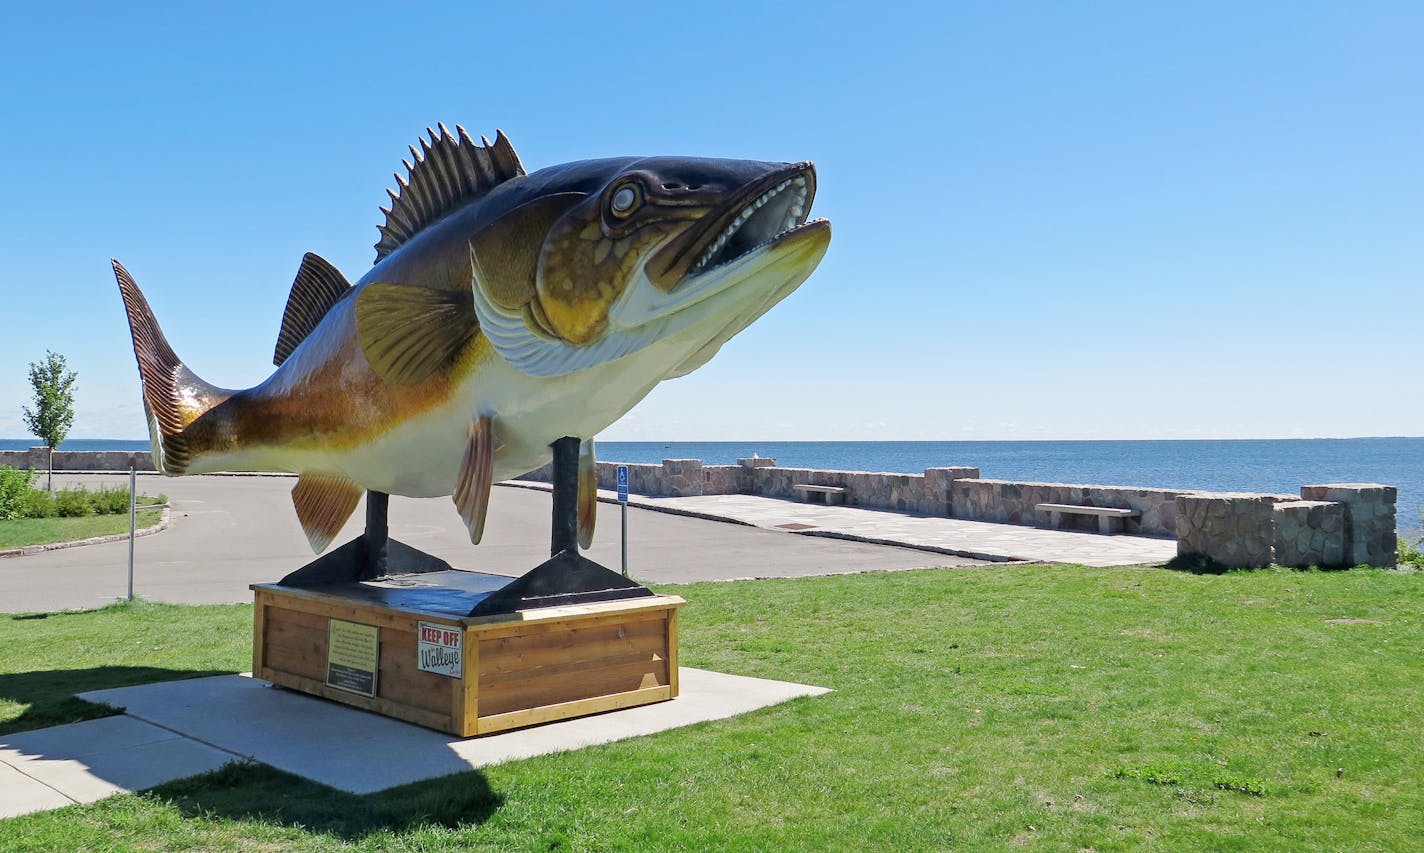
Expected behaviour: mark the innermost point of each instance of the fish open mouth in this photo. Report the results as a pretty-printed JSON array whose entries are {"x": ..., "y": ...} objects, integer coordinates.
[{"x": 764, "y": 211}]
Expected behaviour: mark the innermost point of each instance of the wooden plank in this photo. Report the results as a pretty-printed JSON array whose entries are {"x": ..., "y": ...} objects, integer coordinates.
[
  {"x": 672, "y": 649},
  {"x": 419, "y": 716},
  {"x": 259, "y": 613},
  {"x": 312, "y": 601},
  {"x": 515, "y": 623},
  {"x": 577, "y": 708},
  {"x": 529, "y": 629},
  {"x": 304, "y": 663},
  {"x": 523, "y": 653},
  {"x": 402, "y": 680},
  {"x": 469, "y": 693},
  {"x": 576, "y": 662},
  {"x": 537, "y": 692}
]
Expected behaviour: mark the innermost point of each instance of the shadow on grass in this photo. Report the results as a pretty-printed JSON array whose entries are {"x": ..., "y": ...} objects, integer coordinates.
[
  {"x": 255, "y": 792},
  {"x": 49, "y": 694}
]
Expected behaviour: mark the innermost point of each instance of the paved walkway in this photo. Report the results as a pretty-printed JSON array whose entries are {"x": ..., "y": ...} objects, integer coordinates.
[
  {"x": 229, "y": 532},
  {"x": 978, "y": 539}
]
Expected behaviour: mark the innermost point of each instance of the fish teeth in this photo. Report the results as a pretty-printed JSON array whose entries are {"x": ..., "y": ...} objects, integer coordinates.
[{"x": 793, "y": 217}]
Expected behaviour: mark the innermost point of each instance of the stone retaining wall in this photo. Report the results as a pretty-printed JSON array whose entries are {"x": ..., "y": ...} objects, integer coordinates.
[
  {"x": 78, "y": 460},
  {"x": 1339, "y": 524},
  {"x": 1010, "y": 502}
]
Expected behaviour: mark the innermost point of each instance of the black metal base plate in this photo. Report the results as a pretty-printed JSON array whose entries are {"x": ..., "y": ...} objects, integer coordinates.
[
  {"x": 351, "y": 562},
  {"x": 566, "y": 578}
]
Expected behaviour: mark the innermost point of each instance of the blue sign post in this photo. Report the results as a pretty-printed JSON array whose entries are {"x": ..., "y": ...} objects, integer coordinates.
[{"x": 623, "y": 502}]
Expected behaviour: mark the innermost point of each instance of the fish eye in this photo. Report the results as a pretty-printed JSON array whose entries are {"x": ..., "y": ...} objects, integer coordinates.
[{"x": 624, "y": 199}]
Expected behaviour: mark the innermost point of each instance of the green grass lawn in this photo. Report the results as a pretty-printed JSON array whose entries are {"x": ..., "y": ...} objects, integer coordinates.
[
  {"x": 1057, "y": 708},
  {"x": 19, "y": 532}
]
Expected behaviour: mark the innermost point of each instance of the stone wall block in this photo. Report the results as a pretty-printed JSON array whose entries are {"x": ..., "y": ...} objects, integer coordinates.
[
  {"x": 1235, "y": 530},
  {"x": 1309, "y": 533},
  {"x": 1369, "y": 520}
]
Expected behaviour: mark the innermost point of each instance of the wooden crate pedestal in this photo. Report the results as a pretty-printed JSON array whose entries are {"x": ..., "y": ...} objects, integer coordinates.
[{"x": 507, "y": 671}]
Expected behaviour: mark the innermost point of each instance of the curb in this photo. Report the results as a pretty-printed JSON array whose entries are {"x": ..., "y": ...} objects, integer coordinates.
[{"x": 164, "y": 522}]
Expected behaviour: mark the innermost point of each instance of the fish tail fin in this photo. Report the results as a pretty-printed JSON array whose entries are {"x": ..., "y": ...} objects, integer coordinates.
[{"x": 173, "y": 396}]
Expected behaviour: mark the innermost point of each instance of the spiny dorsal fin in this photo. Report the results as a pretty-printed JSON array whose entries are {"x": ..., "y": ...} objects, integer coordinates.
[
  {"x": 409, "y": 332},
  {"x": 318, "y": 286},
  {"x": 444, "y": 174},
  {"x": 324, "y": 502}
]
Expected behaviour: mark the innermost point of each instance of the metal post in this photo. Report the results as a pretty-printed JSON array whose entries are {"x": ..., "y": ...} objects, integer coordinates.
[
  {"x": 625, "y": 538},
  {"x": 564, "y": 536},
  {"x": 377, "y": 534},
  {"x": 133, "y": 523}
]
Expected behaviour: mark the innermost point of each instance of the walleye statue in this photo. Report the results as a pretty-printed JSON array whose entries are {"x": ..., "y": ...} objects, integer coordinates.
[{"x": 505, "y": 311}]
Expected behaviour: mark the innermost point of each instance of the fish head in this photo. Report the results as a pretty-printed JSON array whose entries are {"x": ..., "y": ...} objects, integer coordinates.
[{"x": 661, "y": 243}]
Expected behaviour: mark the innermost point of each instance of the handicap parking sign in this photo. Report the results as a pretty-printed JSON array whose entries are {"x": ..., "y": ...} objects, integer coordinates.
[{"x": 622, "y": 484}]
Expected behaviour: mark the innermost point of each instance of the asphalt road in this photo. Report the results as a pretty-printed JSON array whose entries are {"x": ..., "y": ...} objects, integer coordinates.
[{"x": 230, "y": 532}]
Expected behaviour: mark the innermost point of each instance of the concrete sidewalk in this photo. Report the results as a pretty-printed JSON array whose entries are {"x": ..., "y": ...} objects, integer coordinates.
[
  {"x": 976, "y": 539},
  {"x": 979, "y": 540},
  {"x": 175, "y": 729}
]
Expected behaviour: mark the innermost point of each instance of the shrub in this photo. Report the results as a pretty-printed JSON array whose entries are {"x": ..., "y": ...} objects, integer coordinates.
[
  {"x": 71, "y": 503},
  {"x": 1410, "y": 553},
  {"x": 14, "y": 485},
  {"x": 37, "y": 504},
  {"x": 110, "y": 501}
]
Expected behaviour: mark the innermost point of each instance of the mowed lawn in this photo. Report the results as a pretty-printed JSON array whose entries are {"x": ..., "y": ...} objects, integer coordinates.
[{"x": 1056, "y": 708}]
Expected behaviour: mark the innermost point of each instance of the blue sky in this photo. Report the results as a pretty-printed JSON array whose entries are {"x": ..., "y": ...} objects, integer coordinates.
[{"x": 1052, "y": 220}]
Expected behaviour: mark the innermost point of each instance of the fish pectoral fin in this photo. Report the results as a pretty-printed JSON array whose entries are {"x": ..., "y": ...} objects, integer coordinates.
[
  {"x": 587, "y": 493},
  {"x": 324, "y": 502},
  {"x": 317, "y": 287},
  {"x": 409, "y": 332},
  {"x": 476, "y": 476}
]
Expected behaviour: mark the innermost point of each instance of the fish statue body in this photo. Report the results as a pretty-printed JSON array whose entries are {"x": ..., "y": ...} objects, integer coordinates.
[{"x": 505, "y": 310}]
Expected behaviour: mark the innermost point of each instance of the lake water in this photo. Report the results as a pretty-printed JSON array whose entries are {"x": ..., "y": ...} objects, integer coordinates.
[{"x": 1269, "y": 465}]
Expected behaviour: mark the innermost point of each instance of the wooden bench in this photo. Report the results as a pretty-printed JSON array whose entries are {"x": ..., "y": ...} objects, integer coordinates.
[
  {"x": 828, "y": 494},
  {"x": 1109, "y": 518}
]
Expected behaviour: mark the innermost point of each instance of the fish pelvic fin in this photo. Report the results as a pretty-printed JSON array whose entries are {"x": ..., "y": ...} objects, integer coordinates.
[
  {"x": 476, "y": 476},
  {"x": 324, "y": 502},
  {"x": 587, "y": 493},
  {"x": 173, "y": 396}
]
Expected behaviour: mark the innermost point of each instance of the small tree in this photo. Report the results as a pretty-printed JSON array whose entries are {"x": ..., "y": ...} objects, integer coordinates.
[{"x": 53, "y": 414}]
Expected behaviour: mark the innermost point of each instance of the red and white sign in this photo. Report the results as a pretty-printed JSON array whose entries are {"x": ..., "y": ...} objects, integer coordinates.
[{"x": 437, "y": 648}]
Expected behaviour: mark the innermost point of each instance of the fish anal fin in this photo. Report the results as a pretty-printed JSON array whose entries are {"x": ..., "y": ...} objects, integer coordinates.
[
  {"x": 587, "y": 493},
  {"x": 317, "y": 287},
  {"x": 475, "y": 477},
  {"x": 447, "y": 172},
  {"x": 506, "y": 251},
  {"x": 324, "y": 502},
  {"x": 408, "y": 332}
]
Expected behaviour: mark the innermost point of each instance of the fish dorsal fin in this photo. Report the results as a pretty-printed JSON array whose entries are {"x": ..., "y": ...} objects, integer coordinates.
[
  {"x": 446, "y": 172},
  {"x": 409, "y": 332},
  {"x": 318, "y": 286},
  {"x": 324, "y": 502}
]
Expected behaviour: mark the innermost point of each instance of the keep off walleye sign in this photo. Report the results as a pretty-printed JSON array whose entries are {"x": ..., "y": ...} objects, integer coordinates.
[{"x": 438, "y": 649}]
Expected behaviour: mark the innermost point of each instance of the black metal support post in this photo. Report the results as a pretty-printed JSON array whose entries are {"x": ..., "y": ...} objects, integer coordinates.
[
  {"x": 377, "y": 533},
  {"x": 565, "y": 532}
]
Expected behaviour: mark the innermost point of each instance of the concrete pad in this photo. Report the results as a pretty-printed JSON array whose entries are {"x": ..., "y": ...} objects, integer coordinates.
[
  {"x": 363, "y": 753},
  {"x": 88, "y": 761},
  {"x": 19, "y": 794}
]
